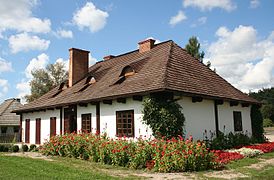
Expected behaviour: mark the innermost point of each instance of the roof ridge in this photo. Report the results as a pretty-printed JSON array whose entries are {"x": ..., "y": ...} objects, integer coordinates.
[{"x": 123, "y": 54}]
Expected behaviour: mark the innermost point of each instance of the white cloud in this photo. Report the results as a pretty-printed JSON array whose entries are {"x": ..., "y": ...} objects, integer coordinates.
[
  {"x": 91, "y": 17},
  {"x": 25, "y": 42},
  {"x": 36, "y": 63},
  {"x": 17, "y": 15},
  {"x": 92, "y": 60},
  {"x": 242, "y": 59},
  {"x": 64, "y": 33},
  {"x": 177, "y": 18},
  {"x": 200, "y": 21},
  {"x": 254, "y": 4},
  {"x": 5, "y": 66},
  {"x": 24, "y": 89},
  {"x": 205, "y": 5},
  {"x": 4, "y": 87}
]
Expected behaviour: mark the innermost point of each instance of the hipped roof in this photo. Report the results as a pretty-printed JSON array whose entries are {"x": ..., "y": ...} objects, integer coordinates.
[{"x": 166, "y": 67}]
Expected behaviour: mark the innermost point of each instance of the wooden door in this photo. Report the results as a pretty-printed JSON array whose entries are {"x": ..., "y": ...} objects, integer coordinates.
[
  {"x": 52, "y": 126},
  {"x": 27, "y": 129},
  {"x": 38, "y": 131}
]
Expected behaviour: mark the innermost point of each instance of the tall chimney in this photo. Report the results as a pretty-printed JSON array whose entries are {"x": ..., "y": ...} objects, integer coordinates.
[
  {"x": 78, "y": 65},
  {"x": 146, "y": 45}
]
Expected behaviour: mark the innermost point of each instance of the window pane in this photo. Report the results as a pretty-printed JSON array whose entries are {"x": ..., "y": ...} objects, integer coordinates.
[{"x": 124, "y": 123}]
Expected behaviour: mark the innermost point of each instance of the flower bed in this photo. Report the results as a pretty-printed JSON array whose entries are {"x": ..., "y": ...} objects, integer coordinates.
[
  {"x": 173, "y": 155},
  {"x": 265, "y": 147},
  {"x": 224, "y": 157}
]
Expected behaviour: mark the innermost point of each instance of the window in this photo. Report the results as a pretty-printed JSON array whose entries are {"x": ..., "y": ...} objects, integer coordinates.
[
  {"x": 16, "y": 129},
  {"x": 38, "y": 131},
  {"x": 125, "y": 123},
  {"x": 237, "y": 116},
  {"x": 52, "y": 126},
  {"x": 27, "y": 130},
  {"x": 86, "y": 123}
]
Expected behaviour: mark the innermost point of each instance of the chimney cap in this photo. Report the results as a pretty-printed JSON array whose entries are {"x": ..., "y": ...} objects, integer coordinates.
[
  {"x": 152, "y": 41},
  {"x": 108, "y": 57},
  {"x": 76, "y": 49}
]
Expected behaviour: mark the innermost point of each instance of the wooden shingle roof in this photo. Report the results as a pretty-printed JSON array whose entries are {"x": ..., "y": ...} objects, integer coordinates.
[
  {"x": 7, "y": 118},
  {"x": 166, "y": 67}
]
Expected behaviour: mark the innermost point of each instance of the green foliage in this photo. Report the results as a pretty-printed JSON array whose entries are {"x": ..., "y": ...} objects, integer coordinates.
[
  {"x": 174, "y": 155},
  {"x": 193, "y": 48},
  {"x": 257, "y": 123},
  {"x": 163, "y": 116},
  {"x": 229, "y": 141},
  {"x": 15, "y": 148},
  {"x": 25, "y": 148},
  {"x": 45, "y": 79},
  {"x": 5, "y": 147},
  {"x": 267, "y": 111},
  {"x": 32, "y": 147},
  {"x": 268, "y": 123}
]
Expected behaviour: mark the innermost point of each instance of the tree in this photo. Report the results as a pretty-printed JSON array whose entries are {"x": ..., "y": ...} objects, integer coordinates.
[
  {"x": 164, "y": 116},
  {"x": 45, "y": 79},
  {"x": 193, "y": 48}
]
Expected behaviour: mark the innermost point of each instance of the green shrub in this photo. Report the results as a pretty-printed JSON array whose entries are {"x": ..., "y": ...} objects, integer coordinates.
[
  {"x": 229, "y": 141},
  {"x": 268, "y": 123},
  {"x": 25, "y": 148},
  {"x": 257, "y": 123},
  {"x": 5, "y": 147},
  {"x": 32, "y": 147},
  {"x": 163, "y": 115},
  {"x": 174, "y": 155},
  {"x": 15, "y": 148}
]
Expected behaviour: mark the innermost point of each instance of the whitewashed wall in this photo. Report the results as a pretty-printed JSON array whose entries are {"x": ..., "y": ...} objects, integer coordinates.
[
  {"x": 108, "y": 117},
  {"x": 199, "y": 117},
  {"x": 85, "y": 110},
  {"x": 45, "y": 124},
  {"x": 225, "y": 112}
]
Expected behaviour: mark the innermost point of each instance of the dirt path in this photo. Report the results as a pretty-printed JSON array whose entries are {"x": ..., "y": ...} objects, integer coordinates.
[{"x": 34, "y": 155}]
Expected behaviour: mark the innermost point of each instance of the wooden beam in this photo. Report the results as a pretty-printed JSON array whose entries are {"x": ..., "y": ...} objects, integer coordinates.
[
  {"x": 197, "y": 99},
  {"x": 121, "y": 100},
  {"x": 137, "y": 98},
  {"x": 107, "y": 102},
  {"x": 83, "y": 104},
  {"x": 50, "y": 108},
  {"x": 219, "y": 102},
  {"x": 216, "y": 118},
  {"x": 234, "y": 103},
  {"x": 245, "y": 104},
  {"x": 98, "y": 118}
]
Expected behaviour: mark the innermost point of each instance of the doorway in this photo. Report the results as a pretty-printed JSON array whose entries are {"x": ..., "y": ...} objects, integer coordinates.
[{"x": 70, "y": 119}]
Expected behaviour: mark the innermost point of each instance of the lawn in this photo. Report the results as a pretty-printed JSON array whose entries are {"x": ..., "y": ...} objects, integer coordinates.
[
  {"x": 69, "y": 168},
  {"x": 60, "y": 168}
]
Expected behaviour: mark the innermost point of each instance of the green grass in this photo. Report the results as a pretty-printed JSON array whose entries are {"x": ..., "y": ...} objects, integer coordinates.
[{"x": 60, "y": 168}]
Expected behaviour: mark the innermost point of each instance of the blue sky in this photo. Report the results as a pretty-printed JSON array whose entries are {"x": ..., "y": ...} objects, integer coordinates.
[{"x": 237, "y": 36}]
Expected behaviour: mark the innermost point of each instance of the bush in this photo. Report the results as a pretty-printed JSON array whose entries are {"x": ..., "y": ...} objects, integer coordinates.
[
  {"x": 174, "y": 155},
  {"x": 15, "y": 148},
  {"x": 25, "y": 148},
  {"x": 268, "y": 123},
  {"x": 32, "y": 147},
  {"x": 257, "y": 123},
  {"x": 5, "y": 147},
  {"x": 229, "y": 141},
  {"x": 163, "y": 115}
]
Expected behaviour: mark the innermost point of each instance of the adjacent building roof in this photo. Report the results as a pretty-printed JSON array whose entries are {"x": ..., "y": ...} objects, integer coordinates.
[
  {"x": 7, "y": 118},
  {"x": 166, "y": 67}
]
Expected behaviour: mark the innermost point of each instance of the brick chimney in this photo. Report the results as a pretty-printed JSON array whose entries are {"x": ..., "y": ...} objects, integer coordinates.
[
  {"x": 78, "y": 65},
  {"x": 108, "y": 57},
  {"x": 146, "y": 45}
]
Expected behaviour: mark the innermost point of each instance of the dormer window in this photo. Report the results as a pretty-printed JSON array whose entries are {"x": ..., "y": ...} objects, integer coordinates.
[
  {"x": 89, "y": 80},
  {"x": 62, "y": 87},
  {"x": 127, "y": 71}
]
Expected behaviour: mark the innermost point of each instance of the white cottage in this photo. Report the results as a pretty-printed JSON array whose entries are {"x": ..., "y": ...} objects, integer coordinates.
[{"x": 107, "y": 97}]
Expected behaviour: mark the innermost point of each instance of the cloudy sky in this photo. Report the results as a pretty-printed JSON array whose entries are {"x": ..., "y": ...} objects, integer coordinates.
[{"x": 237, "y": 36}]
